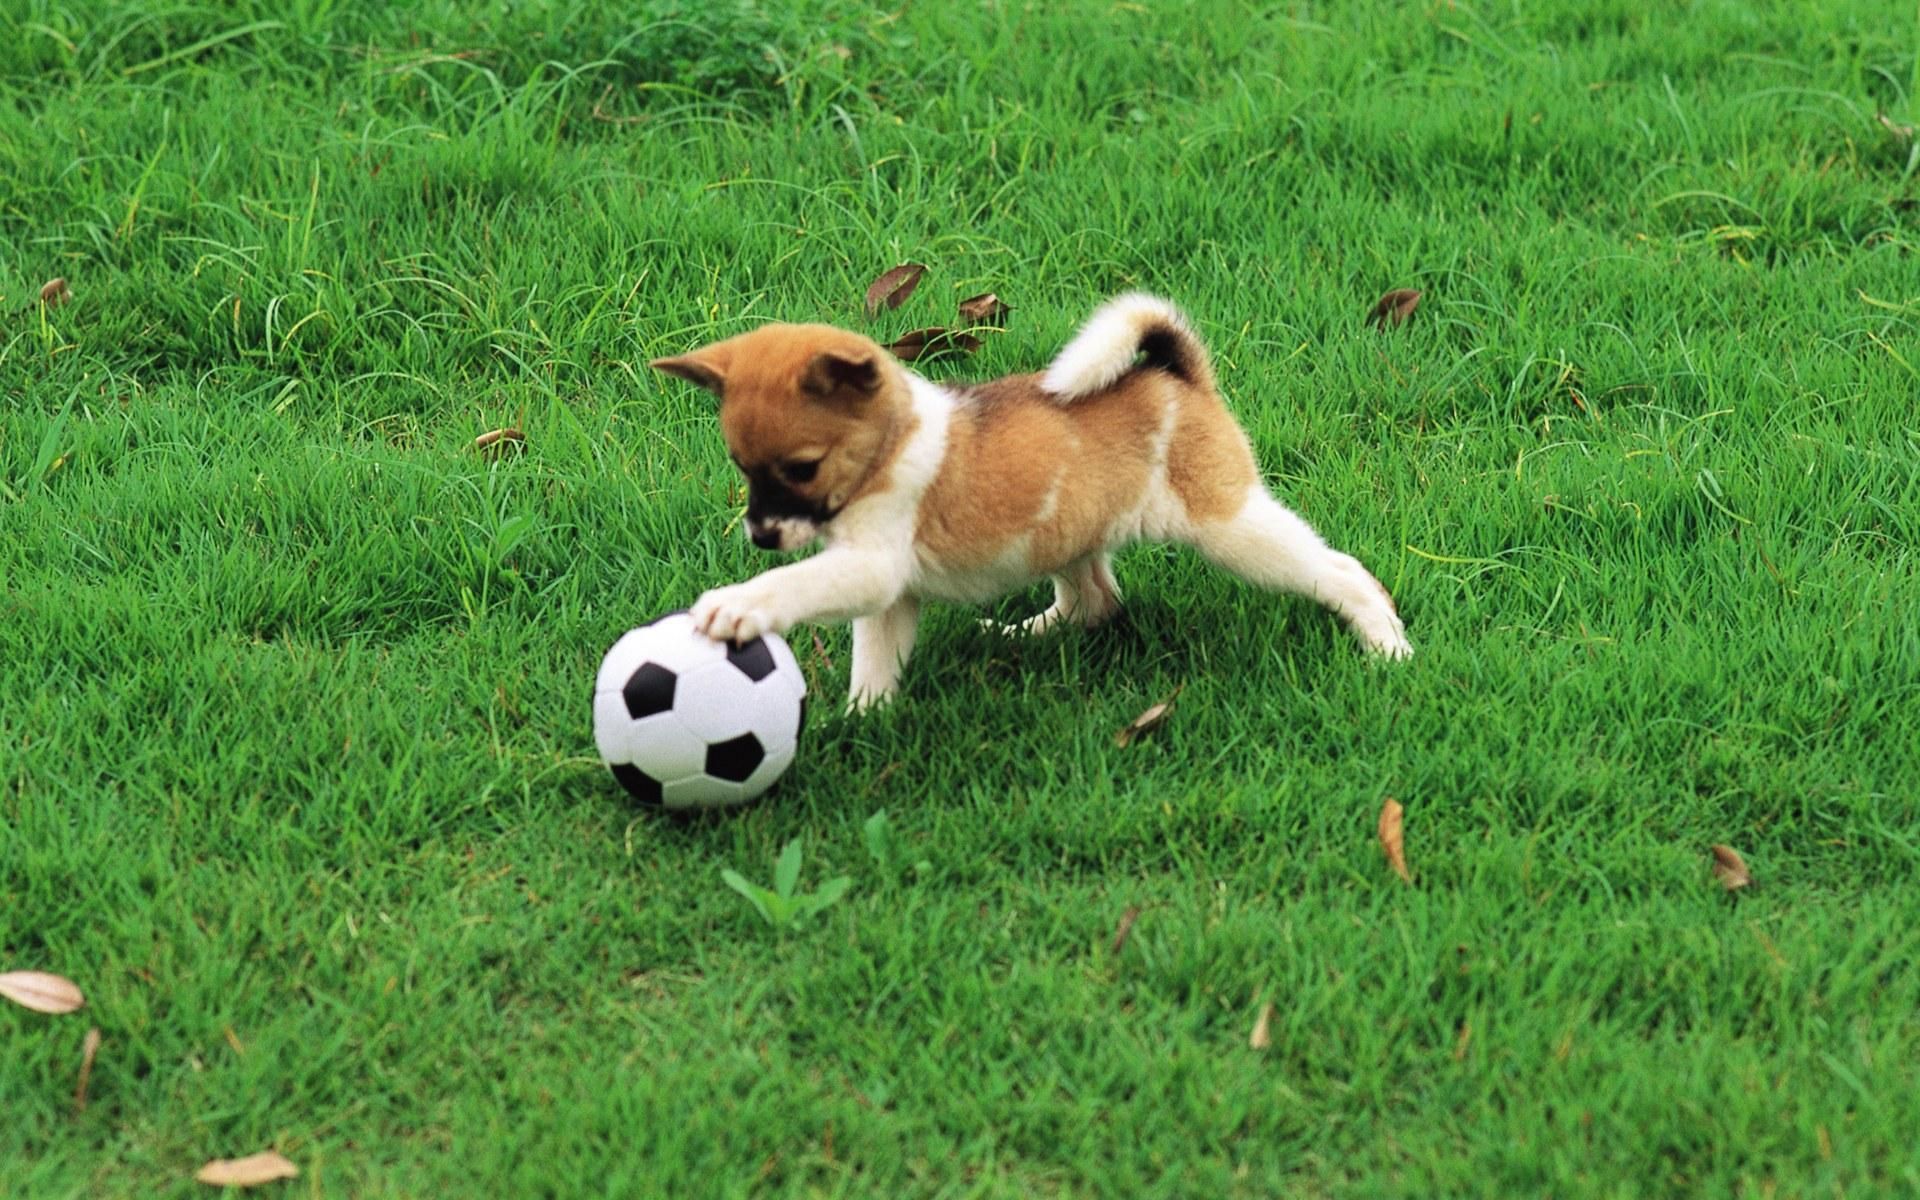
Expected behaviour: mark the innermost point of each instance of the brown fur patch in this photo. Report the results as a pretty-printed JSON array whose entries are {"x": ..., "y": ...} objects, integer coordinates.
[
  {"x": 1210, "y": 466},
  {"x": 1014, "y": 451}
]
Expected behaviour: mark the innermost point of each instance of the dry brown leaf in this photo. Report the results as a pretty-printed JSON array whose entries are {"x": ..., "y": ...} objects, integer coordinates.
[
  {"x": 598, "y": 113},
  {"x": 1730, "y": 869},
  {"x": 41, "y": 992},
  {"x": 1394, "y": 308},
  {"x": 891, "y": 290},
  {"x": 984, "y": 309},
  {"x": 1125, "y": 928},
  {"x": 251, "y": 1171},
  {"x": 1391, "y": 839},
  {"x": 1147, "y": 721},
  {"x": 487, "y": 441},
  {"x": 1262, "y": 1036},
  {"x": 89, "y": 1046},
  {"x": 932, "y": 343},
  {"x": 1903, "y": 132},
  {"x": 55, "y": 292}
]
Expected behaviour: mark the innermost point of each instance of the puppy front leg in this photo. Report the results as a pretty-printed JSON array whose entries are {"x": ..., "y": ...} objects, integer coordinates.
[
  {"x": 882, "y": 643},
  {"x": 833, "y": 585}
]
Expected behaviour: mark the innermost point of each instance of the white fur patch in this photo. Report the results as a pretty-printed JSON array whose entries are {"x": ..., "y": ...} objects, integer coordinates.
[
  {"x": 886, "y": 520},
  {"x": 1107, "y": 345}
]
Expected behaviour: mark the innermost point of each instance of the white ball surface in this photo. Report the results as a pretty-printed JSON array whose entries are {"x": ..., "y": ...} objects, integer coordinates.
[{"x": 687, "y": 722}]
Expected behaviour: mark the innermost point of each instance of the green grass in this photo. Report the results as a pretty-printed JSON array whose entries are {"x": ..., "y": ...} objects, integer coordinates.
[{"x": 296, "y": 778}]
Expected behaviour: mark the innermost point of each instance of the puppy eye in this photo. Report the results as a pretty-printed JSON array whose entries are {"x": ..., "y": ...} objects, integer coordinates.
[{"x": 800, "y": 472}]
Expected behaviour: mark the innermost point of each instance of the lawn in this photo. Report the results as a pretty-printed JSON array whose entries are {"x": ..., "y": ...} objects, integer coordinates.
[{"x": 296, "y": 775}]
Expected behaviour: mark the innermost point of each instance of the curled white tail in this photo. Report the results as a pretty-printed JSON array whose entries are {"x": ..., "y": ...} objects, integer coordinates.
[{"x": 1113, "y": 341}]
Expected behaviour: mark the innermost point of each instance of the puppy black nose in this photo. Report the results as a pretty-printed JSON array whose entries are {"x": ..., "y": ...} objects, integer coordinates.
[{"x": 767, "y": 537}]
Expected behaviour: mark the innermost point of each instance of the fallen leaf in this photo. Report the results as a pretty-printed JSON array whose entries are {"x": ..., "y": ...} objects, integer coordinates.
[
  {"x": 1394, "y": 308},
  {"x": 1147, "y": 721},
  {"x": 89, "y": 1046},
  {"x": 488, "y": 440},
  {"x": 1390, "y": 837},
  {"x": 1125, "y": 927},
  {"x": 891, "y": 290},
  {"x": 251, "y": 1171},
  {"x": 984, "y": 309},
  {"x": 1903, "y": 132},
  {"x": 932, "y": 343},
  {"x": 1730, "y": 869},
  {"x": 598, "y": 113},
  {"x": 55, "y": 292},
  {"x": 1261, "y": 1037},
  {"x": 41, "y": 992}
]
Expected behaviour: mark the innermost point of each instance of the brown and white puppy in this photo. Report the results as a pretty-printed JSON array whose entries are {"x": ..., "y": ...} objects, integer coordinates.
[{"x": 925, "y": 491}]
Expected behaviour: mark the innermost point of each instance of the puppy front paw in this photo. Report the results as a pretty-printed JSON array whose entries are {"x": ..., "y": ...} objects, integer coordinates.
[{"x": 734, "y": 614}]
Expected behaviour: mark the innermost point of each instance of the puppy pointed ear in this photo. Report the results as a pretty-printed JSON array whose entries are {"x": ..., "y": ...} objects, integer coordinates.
[
  {"x": 841, "y": 374},
  {"x": 706, "y": 367}
]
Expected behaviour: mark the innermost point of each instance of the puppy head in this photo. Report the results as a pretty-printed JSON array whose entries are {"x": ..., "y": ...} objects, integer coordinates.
[{"x": 808, "y": 413}]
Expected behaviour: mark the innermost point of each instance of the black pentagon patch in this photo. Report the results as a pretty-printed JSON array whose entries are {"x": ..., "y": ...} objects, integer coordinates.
[
  {"x": 802, "y": 724},
  {"x": 678, "y": 612},
  {"x": 735, "y": 759},
  {"x": 648, "y": 691},
  {"x": 640, "y": 785},
  {"x": 753, "y": 658}
]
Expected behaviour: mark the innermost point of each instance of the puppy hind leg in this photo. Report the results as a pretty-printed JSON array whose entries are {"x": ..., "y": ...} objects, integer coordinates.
[
  {"x": 1096, "y": 590},
  {"x": 1266, "y": 544},
  {"x": 1084, "y": 594},
  {"x": 882, "y": 643}
]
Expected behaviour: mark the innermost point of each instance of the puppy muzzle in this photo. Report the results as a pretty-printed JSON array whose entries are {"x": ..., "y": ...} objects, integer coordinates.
[{"x": 781, "y": 533}]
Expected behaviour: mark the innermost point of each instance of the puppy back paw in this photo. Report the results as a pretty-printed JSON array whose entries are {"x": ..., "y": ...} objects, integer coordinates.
[{"x": 1388, "y": 641}]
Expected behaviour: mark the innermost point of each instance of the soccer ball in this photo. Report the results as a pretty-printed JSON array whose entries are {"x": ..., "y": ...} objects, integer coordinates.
[{"x": 687, "y": 722}]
